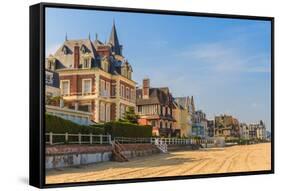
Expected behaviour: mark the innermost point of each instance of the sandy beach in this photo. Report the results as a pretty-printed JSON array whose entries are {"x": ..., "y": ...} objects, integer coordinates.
[{"x": 217, "y": 160}]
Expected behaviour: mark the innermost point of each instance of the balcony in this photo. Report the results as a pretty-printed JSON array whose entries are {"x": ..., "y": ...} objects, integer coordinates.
[
  {"x": 166, "y": 132},
  {"x": 104, "y": 93},
  {"x": 78, "y": 94}
]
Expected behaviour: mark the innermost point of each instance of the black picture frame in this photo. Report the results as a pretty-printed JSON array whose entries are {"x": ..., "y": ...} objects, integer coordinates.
[{"x": 37, "y": 84}]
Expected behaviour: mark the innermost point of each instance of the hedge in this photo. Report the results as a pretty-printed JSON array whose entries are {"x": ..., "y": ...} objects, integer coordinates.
[
  {"x": 56, "y": 124},
  {"x": 126, "y": 129},
  {"x": 59, "y": 125}
]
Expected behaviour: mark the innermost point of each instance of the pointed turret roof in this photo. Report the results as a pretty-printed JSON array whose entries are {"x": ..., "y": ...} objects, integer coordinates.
[
  {"x": 113, "y": 40},
  {"x": 192, "y": 104}
]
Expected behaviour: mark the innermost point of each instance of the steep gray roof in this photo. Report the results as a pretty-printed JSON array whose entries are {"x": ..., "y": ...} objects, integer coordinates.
[
  {"x": 182, "y": 101},
  {"x": 97, "y": 43},
  {"x": 113, "y": 41},
  {"x": 176, "y": 105},
  {"x": 156, "y": 96},
  {"x": 67, "y": 60},
  {"x": 94, "y": 50}
]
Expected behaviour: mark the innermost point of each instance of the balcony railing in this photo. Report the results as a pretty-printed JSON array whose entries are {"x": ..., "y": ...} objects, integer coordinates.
[{"x": 78, "y": 94}]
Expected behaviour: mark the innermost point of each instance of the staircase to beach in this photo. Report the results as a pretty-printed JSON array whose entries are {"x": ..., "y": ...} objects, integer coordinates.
[
  {"x": 161, "y": 145},
  {"x": 117, "y": 152}
]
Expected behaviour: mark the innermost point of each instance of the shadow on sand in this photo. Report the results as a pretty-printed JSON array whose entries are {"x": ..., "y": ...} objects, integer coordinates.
[{"x": 167, "y": 160}]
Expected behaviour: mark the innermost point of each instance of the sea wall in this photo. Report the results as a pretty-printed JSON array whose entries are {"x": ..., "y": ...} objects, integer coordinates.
[
  {"x": 139, "y": 150},
  {"x": 74, "y": 155}
]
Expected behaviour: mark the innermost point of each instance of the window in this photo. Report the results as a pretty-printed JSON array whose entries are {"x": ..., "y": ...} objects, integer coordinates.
[
  {"x": 129, "y": 75},
  {"x": 140, "y": 109},
  {"x": 86, "y": 86},
  {"x": 127, "y": 93},
  {"x": 102, "y": 87},
  {"x": 86, "y": 63},
  {"x": 122, "y": 111},
  {"x": 124, "y": 71},
  {"x": 65, "y": 87},
  {"x": 132, "y": 94},
  {"x": 102, "y": 111},
  {"x": 105, "y": 64},
  {"x": 122, "y": 91},
  {"x": 64, "y": 49},
  {"x": 49, "y": 65},
  {"x": 107, "y": 89},
  {"x": 83, "y": 49},
  {"x": 107, "y": 112},
  {"x": 113, "y": 90},
  {"x": 49, "y": 78}
]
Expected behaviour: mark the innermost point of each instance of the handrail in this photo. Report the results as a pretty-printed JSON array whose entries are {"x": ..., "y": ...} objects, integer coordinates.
[
  {"x": 106, "y": 139},
  {"x": 91, "y": 139},
  {"x": 168, "y": 141}
]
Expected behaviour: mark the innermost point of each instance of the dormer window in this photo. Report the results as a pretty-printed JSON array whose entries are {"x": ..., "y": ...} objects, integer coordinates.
[
  {"x": 105, "y": 64},
  {"x": 49, "y": 78},
  {"x": 130, "y": 70},
  {"x": 64, "y": 50},
  {"x": 83, "y": 49},
  {"x": 50, "y": 64},
  {"x": 86, "y": 63},
  {"x": 124, "y": 71}
]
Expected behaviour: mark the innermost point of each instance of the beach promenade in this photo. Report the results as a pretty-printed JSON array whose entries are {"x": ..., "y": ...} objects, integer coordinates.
[{"x": 217, "y": 160}]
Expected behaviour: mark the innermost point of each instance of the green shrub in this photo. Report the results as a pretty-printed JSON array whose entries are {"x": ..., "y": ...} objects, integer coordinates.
[
  {"x": 56, "y": 124},
  {"x": 126, "y": 129}
]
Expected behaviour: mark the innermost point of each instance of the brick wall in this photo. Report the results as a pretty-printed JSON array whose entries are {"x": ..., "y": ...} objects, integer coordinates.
[
  {"x": 76, "y": 82},
  {"x": 126, "y": 84}
]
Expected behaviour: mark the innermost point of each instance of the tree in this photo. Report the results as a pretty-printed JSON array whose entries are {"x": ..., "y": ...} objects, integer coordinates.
[
  {"x": 130, "y": 115},
  {"x": 53, "y": 100}
]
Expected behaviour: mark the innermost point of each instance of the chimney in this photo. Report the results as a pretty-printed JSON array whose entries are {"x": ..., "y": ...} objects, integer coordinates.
[
  {"x": 76, "y": 56},
  {"x": 145, "y": 88}
]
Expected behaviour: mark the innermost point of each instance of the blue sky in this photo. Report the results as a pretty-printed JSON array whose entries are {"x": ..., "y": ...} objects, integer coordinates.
[{"x": 223, "y": 63}]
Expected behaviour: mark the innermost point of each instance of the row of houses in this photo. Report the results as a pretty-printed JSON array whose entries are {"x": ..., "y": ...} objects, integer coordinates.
[{"x": 89, "y": 81}]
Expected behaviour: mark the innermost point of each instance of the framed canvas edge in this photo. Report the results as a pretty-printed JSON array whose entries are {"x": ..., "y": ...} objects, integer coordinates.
[{"x": 40, "y": 168}]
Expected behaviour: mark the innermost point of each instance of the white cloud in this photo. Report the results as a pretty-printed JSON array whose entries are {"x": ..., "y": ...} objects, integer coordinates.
[{"x": 226, "y": 57}]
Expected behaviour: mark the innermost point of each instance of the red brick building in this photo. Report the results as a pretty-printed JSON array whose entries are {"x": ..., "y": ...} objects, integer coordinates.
[{"x": 94, "y": 77}]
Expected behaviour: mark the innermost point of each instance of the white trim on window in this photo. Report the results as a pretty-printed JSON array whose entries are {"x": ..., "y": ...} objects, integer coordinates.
[
  {"x": 122, "y": 91},
  {"x": 102, "y": 111},
  {"x": 68, "y": 88},
  {"x": 122, "y": 111},
  {"x": 107, "y": 86},
  {"x": 49, "y": 78},
  {"x": 83, "y": 84},
  {"x": 102, "y": 87},
  {"x": 107, "y": 111},
  {"x": 132, "y": 94},
  {"x": 127, "y": 93}
]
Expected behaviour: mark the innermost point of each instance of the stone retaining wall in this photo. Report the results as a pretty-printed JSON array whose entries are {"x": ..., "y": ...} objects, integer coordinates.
[{"x": 74, "y": 155}]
